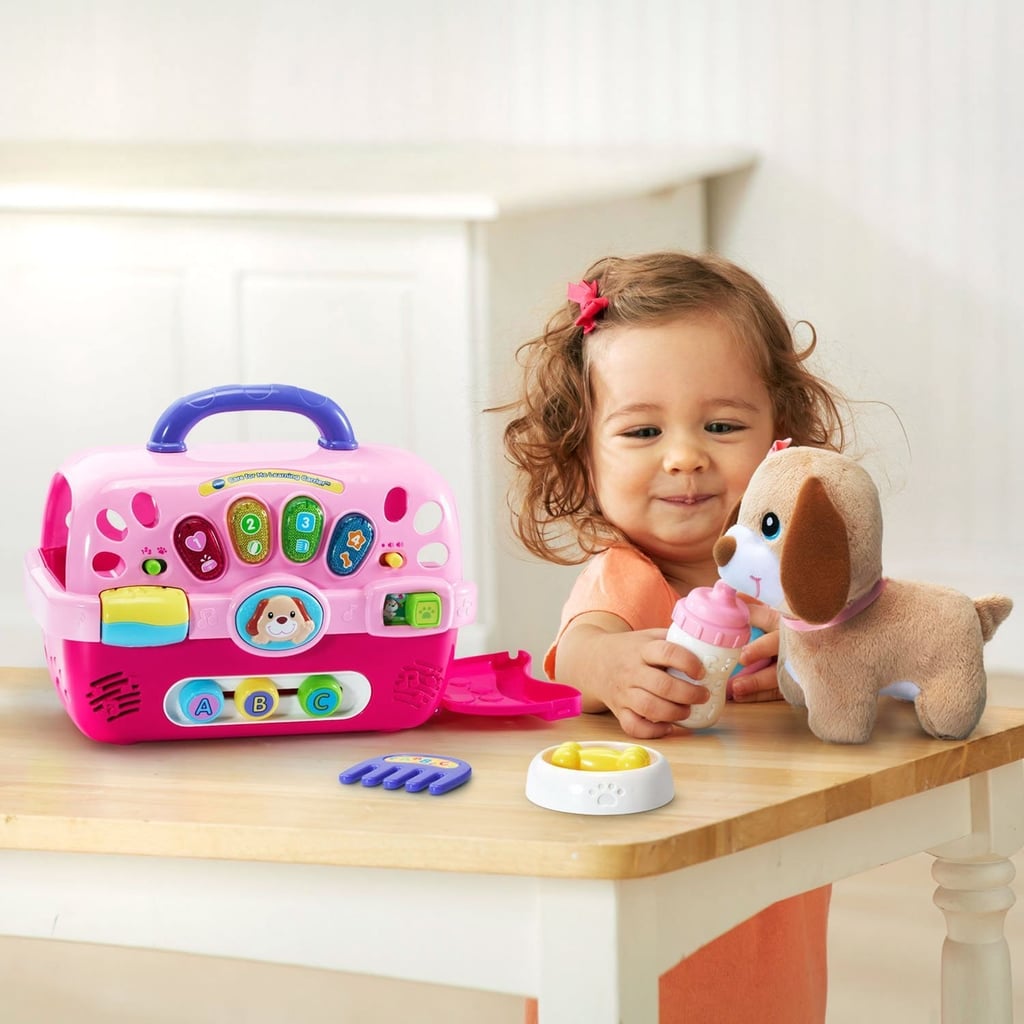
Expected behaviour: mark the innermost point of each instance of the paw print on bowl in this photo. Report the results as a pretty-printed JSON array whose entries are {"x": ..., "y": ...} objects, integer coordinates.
[{"x": 606, "y": 794}]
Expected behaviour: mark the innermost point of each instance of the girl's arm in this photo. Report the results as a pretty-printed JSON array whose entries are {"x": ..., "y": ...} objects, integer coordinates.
[{"x": 622, "y": 670}]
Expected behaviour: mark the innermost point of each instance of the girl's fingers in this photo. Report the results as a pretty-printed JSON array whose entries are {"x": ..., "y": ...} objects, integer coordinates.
[
  {"x": 641, "y": 728},
  {"x": 760, "y": 685}
]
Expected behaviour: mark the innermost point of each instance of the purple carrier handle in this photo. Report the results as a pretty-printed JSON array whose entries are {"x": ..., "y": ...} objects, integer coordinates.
[{"x": 181, "y": 416}]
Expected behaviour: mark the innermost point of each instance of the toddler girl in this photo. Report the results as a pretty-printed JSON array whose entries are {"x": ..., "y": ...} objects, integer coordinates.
[{"x": 648, "y": 402}]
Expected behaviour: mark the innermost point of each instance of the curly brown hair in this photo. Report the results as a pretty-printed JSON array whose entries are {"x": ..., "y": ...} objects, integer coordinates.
[{"x": 554, "y": 513}]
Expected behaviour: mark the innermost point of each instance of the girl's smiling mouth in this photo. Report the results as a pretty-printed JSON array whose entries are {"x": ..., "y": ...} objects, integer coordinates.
[{"x": 687, "y": 499}]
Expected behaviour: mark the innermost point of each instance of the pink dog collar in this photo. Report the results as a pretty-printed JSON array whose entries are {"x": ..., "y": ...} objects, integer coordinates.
[{"x": 847, "y": 613}]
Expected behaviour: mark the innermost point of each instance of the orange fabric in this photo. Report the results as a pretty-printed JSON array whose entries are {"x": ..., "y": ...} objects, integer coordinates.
[
  {"x": 772, "y": 968},
  {"x": 769, "y": 970},
  {"x": 621, "y": 580}
]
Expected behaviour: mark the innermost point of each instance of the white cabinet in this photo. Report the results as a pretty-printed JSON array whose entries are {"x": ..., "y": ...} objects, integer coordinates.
[{"x": 397, "y": 281}]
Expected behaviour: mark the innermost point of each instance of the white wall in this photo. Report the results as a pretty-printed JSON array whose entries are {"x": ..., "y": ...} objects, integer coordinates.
[{"x": 885, "y": 207}]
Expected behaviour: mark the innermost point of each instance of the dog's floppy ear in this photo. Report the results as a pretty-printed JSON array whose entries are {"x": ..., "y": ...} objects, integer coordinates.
[
  {"x": 815, "y": 562},
  {"x": 252, "y": 627},
  {"x": 725, "y": 547}
]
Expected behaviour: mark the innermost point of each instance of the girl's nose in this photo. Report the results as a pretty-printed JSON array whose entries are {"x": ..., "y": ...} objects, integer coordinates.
[{"x": 684, "y": 456}]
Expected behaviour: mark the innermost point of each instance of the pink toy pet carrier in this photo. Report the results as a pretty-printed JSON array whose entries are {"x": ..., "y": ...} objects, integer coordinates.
[{"x": 241, "y": 589}]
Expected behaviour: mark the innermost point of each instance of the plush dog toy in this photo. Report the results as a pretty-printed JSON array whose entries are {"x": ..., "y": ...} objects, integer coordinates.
[{"x": 808, "y": 542}]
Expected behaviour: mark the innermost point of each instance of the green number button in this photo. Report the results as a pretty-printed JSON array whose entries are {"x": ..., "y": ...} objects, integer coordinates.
[
  {"x": 249, "y": 529},
  {"x": 302, "y": 527}
]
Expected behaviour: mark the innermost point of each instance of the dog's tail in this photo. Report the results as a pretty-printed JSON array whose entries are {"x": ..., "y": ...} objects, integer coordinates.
[{"x": 992, "y": 610}]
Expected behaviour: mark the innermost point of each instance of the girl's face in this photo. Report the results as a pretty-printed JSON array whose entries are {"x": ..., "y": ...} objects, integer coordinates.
[{"x": 681, "y": 421}]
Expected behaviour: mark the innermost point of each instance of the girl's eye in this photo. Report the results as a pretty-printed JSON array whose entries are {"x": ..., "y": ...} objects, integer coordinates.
[
  {"x": 770, "y": 526},
  {"x": 642, "y": 432},
  {"x": 721, "y": 428}
]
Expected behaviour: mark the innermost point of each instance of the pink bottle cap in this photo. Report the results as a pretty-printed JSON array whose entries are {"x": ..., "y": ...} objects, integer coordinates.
[{"x": 715, "y": 615}]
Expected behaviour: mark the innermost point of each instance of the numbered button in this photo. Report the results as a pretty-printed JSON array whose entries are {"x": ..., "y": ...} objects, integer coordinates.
[
  {"x": 201, "y": 700},
  {"x": 249, "y": 530},
  {"x": 350, "y": 543},
  {"x": 199, "y": 547},
  {"x": 302, "y": 527},
  {"x": 319, "y": 695},
  {"x": 256, "y": 698}
]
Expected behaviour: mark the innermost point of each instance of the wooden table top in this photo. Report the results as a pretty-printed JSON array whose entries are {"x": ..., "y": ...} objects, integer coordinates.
[{"x": 759, "y": 775}]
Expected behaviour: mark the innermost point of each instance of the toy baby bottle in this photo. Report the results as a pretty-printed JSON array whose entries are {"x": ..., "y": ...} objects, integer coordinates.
[{"x": 715, "y": 624}]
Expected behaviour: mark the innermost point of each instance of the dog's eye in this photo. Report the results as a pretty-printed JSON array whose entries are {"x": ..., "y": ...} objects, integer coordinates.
[
  {"x": 291, "y": 615},
  {"x": 770, "y": 526},
  {"x": 270, "y": 615}
]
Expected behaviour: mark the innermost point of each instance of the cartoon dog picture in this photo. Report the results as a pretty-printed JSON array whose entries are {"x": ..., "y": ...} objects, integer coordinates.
[
  {"x": 808, "y": 542},
  {"x": 280, "y": 619}
]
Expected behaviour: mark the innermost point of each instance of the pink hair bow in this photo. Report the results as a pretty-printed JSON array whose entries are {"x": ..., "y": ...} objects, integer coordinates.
[
  {"x": 591, "y": 304},
  {"x": 780, "y": 445}
]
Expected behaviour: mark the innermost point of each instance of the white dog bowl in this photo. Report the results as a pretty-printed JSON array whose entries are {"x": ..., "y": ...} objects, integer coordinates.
[{"x": 622, "y": 778}]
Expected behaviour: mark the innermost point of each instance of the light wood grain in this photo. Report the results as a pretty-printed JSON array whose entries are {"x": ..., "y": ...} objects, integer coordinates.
[{"x": 758, "y": 776}]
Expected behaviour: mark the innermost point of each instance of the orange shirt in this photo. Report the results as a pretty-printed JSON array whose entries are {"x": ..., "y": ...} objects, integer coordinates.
[{"x": 772, "y": 968}]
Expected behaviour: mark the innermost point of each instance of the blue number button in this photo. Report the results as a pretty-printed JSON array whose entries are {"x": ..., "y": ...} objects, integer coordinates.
[{"x": 350, "y": 543}]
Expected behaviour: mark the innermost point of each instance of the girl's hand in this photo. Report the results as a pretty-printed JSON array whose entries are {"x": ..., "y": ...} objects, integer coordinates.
[
  {"x": 763, "y": 682},
  {"x": 624, "y": 671}
]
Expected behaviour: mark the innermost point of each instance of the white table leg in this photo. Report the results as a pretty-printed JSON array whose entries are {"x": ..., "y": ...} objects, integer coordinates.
[
  {"x": 975, "y": 896},
  {"x": 974, "y": 893},
  {"x": 596, "y": 957}
]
